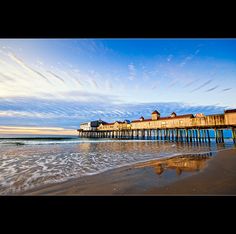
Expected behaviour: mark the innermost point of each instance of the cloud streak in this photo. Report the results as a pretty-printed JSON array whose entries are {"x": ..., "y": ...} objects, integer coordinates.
[
  {"x": 56, "y": 76},
  {"x": 211, "y": 89},
  {"x": 227, "y": 89},
  {"x": 202, "y": 85},
  {"x": 188, "y": 58},
  {"x": 189, "y": 83},
  {"x": 6, "y": 77},
  {"x": 26, "y": 81},
  {"x": 94, "y": 83},
  {"x": 27, "y": 67}
]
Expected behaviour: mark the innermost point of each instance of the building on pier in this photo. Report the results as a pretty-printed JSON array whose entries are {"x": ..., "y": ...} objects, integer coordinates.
[
  {"x": 118, "y": 125},
  {"x": 230, "y": 117},
  {"x": 156, "y": 121},
  {"x": 199, "y": 115},
  {"x": 91, "y": 126},
  {"x": 174, "y": 127}
]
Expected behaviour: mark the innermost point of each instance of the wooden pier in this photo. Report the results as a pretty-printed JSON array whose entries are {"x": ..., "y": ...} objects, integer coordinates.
[
  {"x": 188, "y": 135},
  {"x": 174, "y": 128}
]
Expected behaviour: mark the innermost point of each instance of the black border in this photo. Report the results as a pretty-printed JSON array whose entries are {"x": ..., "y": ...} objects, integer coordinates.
[
  {"x": 137, "y": 30},
  {"x": 120, "y": 21},
  {"x": 151, "y": 24},
  {"x": 197, "y": 209}
]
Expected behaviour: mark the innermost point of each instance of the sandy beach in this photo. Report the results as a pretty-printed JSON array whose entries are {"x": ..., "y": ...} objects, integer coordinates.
[{"x": 204, "y": 175}]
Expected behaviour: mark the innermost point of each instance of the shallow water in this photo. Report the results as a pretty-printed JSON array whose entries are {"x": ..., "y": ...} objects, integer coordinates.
[{"x": 26, "y": 163}]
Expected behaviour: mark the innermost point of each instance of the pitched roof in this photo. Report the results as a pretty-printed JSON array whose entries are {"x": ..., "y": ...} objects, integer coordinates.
[
  {"x": 178, "y": 117},
  {"x": 126, "y": 121},
  {"x": 114, "y": 123},
  {"x": 107, "y": 123},
  {"x": 168, "y": 117},
  {"x": 230, "y": 111},
  {"x": 84, "y": 123},
  {"x": 94, "y": 121},
  {"x": 155, "y": 112},
  {"x": 138, "y": 120}
]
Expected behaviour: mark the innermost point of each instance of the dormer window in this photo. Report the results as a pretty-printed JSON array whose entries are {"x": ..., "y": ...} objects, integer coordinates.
[
  {"x": 155, "y": 115},
  {"x": 173, "y": 114},
  {"x": 141, "y": 118}
]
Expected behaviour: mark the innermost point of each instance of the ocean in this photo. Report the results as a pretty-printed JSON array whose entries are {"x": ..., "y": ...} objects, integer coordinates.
[{"x": 30, "y": 161}]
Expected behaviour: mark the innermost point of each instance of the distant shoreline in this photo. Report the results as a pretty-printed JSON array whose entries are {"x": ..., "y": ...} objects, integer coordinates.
[{"x": 218, "y": 177}]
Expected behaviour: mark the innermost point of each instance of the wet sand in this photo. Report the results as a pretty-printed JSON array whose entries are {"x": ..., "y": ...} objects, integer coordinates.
[{"x": 205, "y": 175}]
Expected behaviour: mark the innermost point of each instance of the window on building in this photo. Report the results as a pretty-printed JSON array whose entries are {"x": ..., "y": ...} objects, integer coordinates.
[{"x": 163, "y": 124}]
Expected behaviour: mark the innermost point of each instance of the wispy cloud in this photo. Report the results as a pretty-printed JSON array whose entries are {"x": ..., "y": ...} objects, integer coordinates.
[
  {"x": 211, "y": 89},
  {"x": 56, "y": 76},
  {"x": 34, "y": 114},
  {"x": 89, "y": 97},
  {"x": 202, "y": 85},
  {"x": 189, "y": 58},
  {"x": 6, "y": 77},
  {"x": 69, "y": 114},
  {"x": 26, "y": 66},
  {"x": 227, "y": 89},
  {"x": 189, "y": 83},
  {"x": 84, "y": 85},
  {"x": 75, "y": 75},
  {"x": 132, "y": 71},
  {"x": 45, "y": 81},
  {"x": 173, "y": 82},
  {"x": 94, "y": 83},
  {"x": 86, "y": 47}
]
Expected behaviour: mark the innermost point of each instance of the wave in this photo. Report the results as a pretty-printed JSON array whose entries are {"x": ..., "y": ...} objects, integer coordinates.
[
  {"x": 48, "y": 142},
  {"x": 56, "y": 141},
  {"x": 12, "y": 143},
  {"x": 38, "y": 138}
]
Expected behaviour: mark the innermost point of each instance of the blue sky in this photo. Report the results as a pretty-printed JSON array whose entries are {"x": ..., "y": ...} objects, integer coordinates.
[{"x": 63, "y": 82}]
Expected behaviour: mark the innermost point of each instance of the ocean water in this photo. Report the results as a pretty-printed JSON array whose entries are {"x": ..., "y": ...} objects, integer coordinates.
[{"x": 27, "y": 162}]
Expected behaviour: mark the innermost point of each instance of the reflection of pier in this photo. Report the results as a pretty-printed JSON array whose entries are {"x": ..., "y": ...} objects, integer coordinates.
[
  {"x": 175, "y": 128},
  {"x": 180, "y": 164}
]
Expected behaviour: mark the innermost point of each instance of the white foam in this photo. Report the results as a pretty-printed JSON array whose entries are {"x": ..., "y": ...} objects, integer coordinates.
[{"x": 33, "y": 165}]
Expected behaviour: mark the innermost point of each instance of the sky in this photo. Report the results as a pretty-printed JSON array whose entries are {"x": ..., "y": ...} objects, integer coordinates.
[{"x": 53, "y": 85}]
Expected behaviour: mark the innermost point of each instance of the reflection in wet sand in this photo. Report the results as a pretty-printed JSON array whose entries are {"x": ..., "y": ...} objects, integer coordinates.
[{"x": 187, "y": 163}]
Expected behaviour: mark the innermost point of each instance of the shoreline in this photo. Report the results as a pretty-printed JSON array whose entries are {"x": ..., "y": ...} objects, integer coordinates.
[{"x": 178, "y": 175}]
